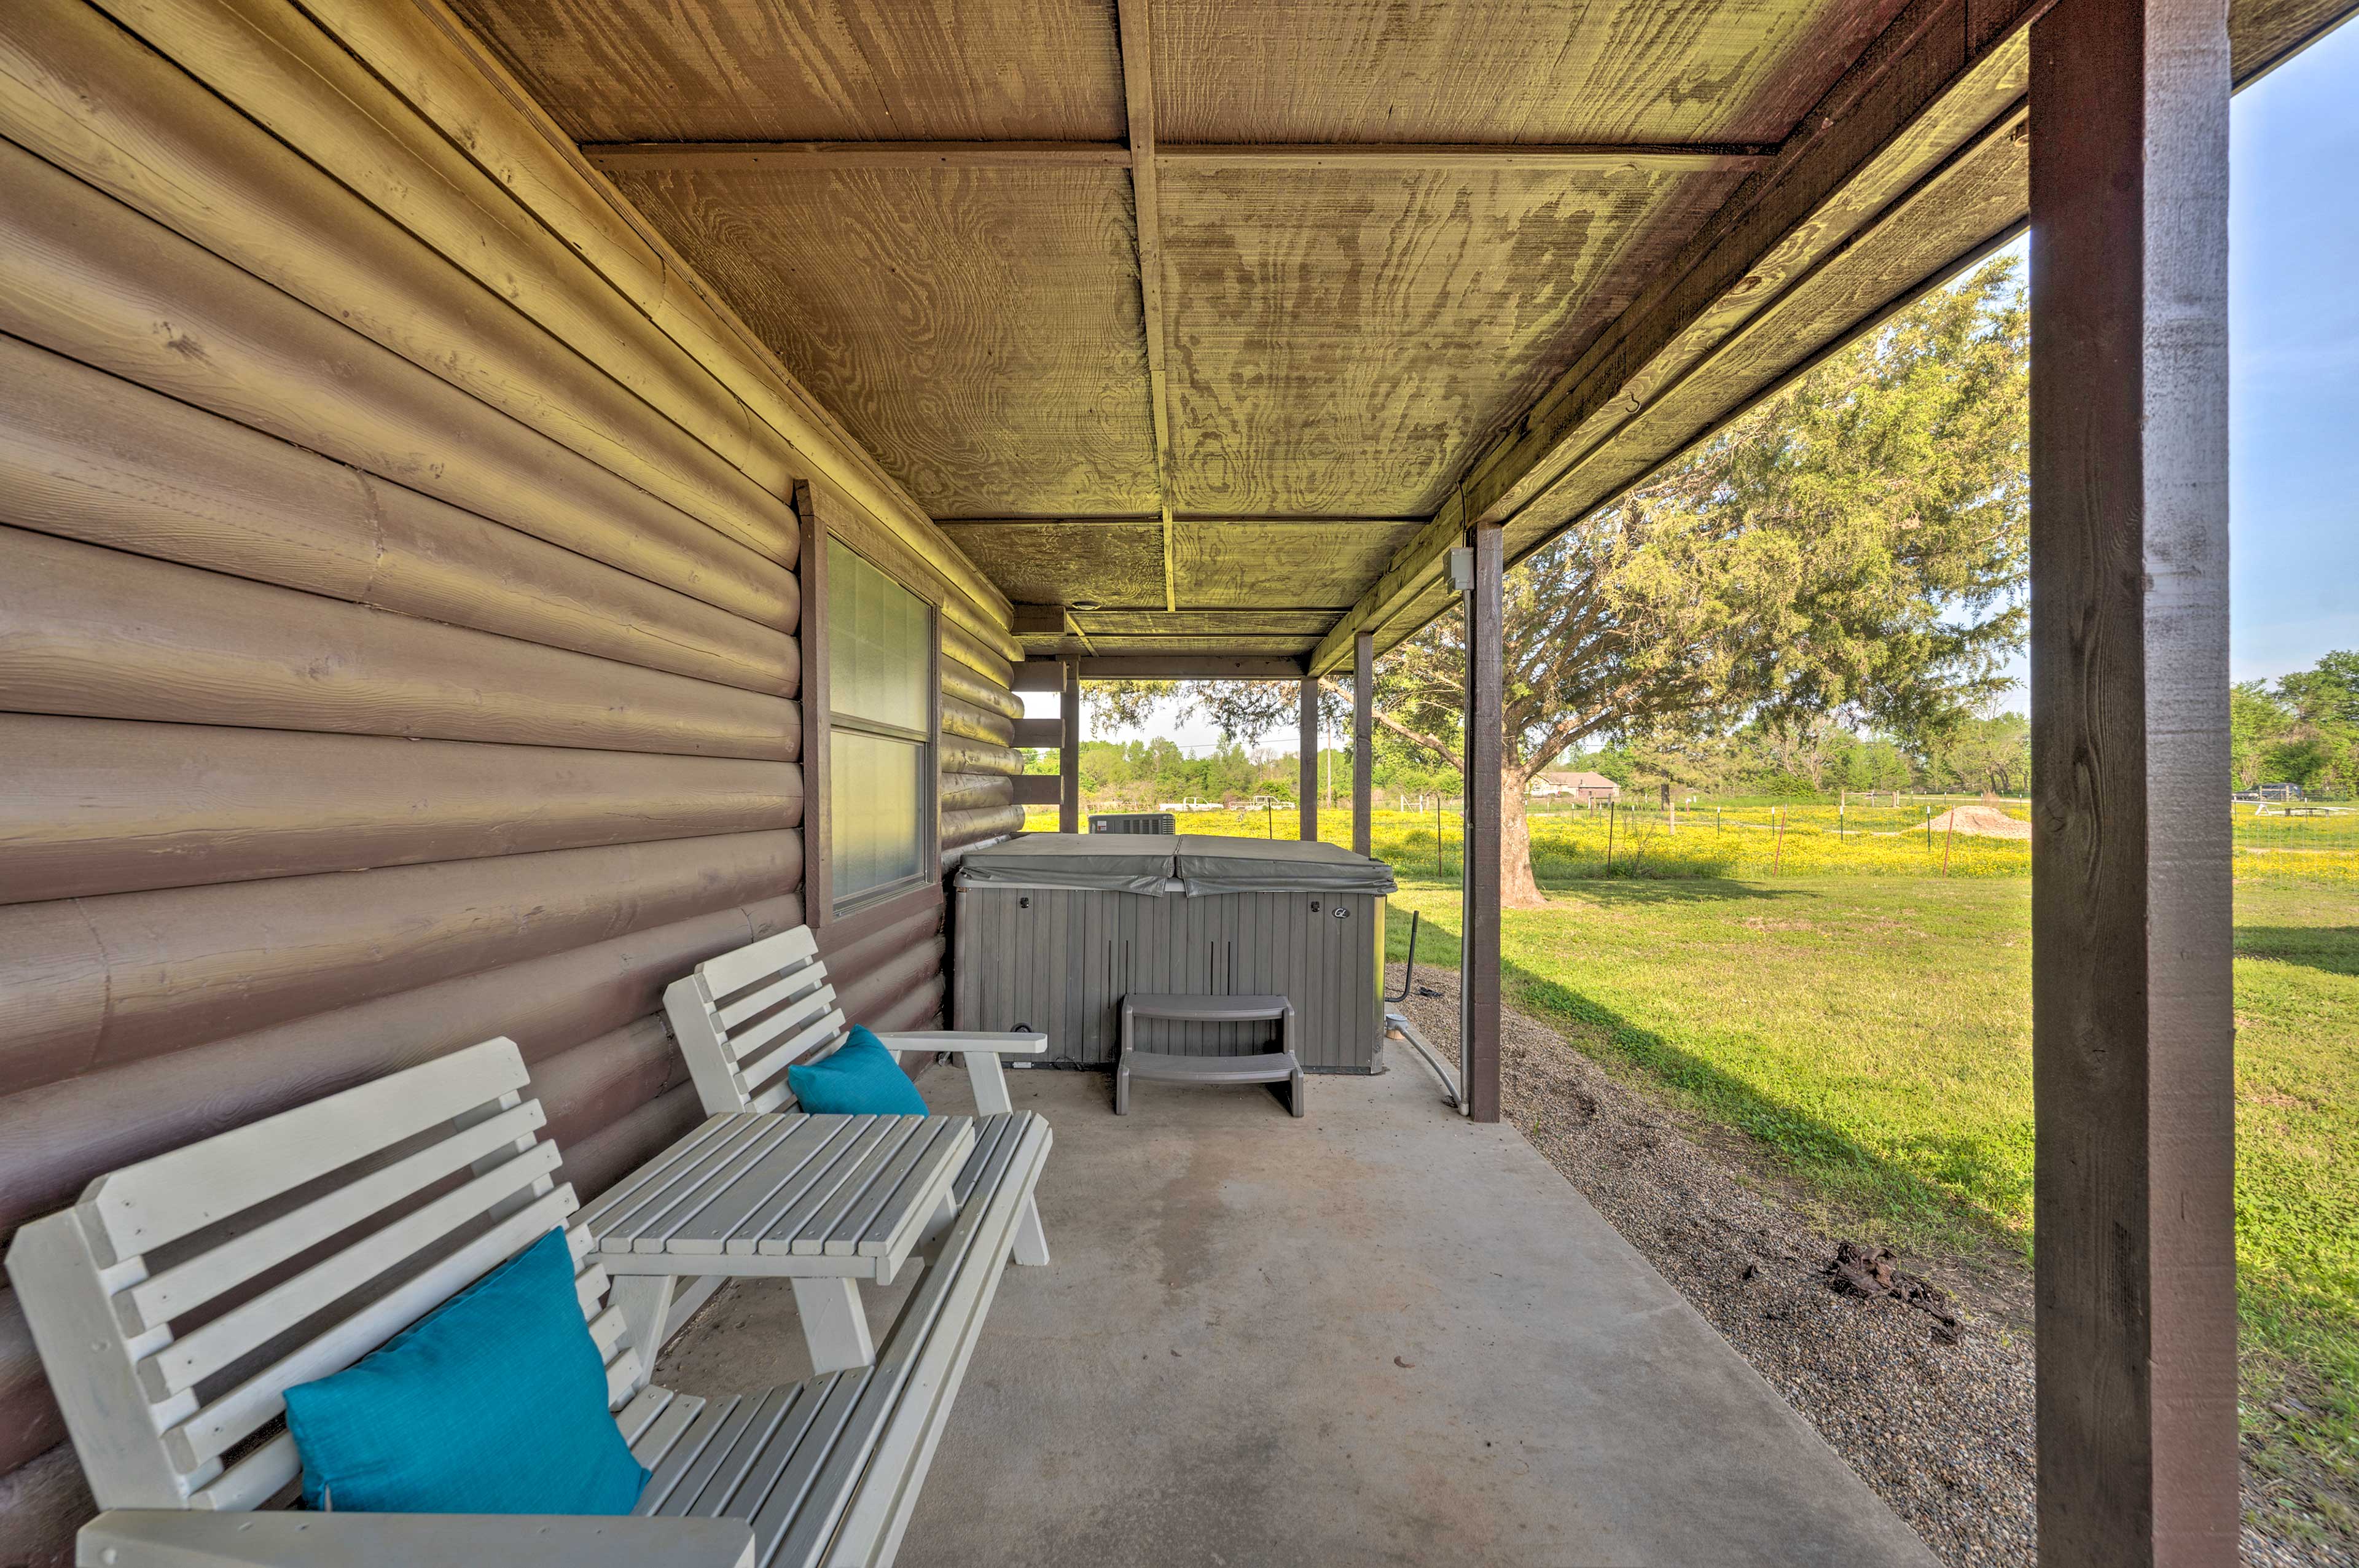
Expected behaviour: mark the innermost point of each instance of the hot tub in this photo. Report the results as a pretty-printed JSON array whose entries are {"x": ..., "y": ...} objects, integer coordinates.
[{"x": 1050, "y": 930}]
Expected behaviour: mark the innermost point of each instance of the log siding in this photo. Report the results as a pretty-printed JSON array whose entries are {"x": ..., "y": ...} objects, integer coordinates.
[{"x": 399, "y": 599}]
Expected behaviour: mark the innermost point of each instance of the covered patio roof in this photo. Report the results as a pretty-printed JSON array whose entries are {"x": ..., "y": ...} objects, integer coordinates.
[{"x": 1211, "y": 328}]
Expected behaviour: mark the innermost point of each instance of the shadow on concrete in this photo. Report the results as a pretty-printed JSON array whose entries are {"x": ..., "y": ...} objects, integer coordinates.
[{"x": 2333, "y": 949}]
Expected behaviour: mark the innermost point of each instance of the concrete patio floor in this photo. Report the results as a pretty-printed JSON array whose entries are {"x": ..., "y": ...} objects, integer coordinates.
[{"x": 1380, "y": 1335}]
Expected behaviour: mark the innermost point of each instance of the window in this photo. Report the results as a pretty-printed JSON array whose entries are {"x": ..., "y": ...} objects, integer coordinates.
[{"x": 880, "y": 643}]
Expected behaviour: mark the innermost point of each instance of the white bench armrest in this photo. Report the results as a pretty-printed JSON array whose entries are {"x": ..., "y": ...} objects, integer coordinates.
[
  {"x": 980, "y": 1053},
  {"x": 174, "y": 1537},
  {"x": 962, "y": 1040}
]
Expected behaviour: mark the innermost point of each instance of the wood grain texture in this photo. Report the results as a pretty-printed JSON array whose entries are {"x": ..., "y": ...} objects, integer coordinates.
[
  {"x": 416, "y": 73},
  {"x": 1528, "y": 70},
  {"x": 1364, "y": 740},
  {"x": 975, "y": 823},
  {"x": 90, "y": 278},
  {"x": 818, "y": 725},
  {"x": 607, "y": 1156},
  {"x": 101, "y": 635},
  {"x": 1486, "y": 741},
  {"x": 814, "y": 70},
  {"x": 963, "y": 648},
  {"x": 1959, "y": 213},
  {"x": 969, "y": 792},
  {"x": 1143, "y": 650},
  {"x": 590, "y": 1087},
  {"x": 968, "y": 722},
  {"x": 105, "y": 982},
  {"x": 1938, "y": 80},
  {"x": 87, "y": 456},
  {"x": 1247, "y": 565},
  {"x": 963, "y": 756},
  {"x": 85, "y": 95},
  {"x": 2133, "y": 1030},
  {"x": 99, "y": 806},
  {"x": 1053, "y": 561},
  {"x": 979, "y": 692},
  {"x": 986, "y": 343},
  {"x": 1354, "y": 359},
  {"x": 55, "y": 1138}
]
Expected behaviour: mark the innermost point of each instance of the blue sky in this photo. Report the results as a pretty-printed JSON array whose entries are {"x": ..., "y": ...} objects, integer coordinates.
[
  {"x": 2293, "y": 286},
  {"x": 2293, "y": 292}
]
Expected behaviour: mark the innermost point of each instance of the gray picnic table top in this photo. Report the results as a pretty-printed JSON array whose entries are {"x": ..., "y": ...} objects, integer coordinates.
[{"x": 784, "y": 1195}]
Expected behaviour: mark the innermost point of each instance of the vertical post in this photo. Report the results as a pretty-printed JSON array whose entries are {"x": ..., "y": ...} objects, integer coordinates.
[
  {"x": 2132, "y": 1030},
  {"x": 1068, "y": 745},
  {"x": 1305, "y": 784},
  {"x": 819, "y": 827},
  {"x": 1364, "y": 738},
  {"x": 1486, "y": 719}
]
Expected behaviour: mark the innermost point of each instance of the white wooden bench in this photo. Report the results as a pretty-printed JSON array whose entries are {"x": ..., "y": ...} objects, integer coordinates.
[
  {"x": 178, "y": 1300},
  {"x": 743, "y": 1018}
]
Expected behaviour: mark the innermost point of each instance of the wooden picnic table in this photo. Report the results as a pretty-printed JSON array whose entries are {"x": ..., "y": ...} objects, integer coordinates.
[{"x": 823, "y": 1201}]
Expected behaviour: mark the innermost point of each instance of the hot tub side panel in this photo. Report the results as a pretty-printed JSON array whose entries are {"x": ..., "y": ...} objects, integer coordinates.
[{"x": 1062, "y": 960}]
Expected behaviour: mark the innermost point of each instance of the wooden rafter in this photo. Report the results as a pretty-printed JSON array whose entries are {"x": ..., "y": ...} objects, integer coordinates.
[{"x": 1138, "y": 100}]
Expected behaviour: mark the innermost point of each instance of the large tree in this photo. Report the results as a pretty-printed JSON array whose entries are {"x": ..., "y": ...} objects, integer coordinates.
[{"x": 1851, "y": 550}]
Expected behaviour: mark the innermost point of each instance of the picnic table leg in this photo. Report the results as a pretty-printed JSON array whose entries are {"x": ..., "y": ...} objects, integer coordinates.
[
  {"x": 1031, "y": 1242},
  {"x": 983, "y": 1071},
  {"x": 834, "y": 1326},
  {"x": 644, "y": 1300}
]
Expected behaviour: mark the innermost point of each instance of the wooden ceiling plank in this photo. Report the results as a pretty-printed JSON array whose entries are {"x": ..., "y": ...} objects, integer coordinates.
[
  {"x": 1927, "y": 81},
  {"x": 1138, "y": 100}
]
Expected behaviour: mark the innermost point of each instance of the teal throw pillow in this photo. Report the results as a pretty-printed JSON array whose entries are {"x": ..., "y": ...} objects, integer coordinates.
[
  {"x": 495, "y": 1403},
  {"x": 860, "y": 1078}
]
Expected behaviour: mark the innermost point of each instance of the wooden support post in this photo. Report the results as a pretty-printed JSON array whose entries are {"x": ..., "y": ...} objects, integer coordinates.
[
  {"x": 2133, "y": 1042},
  {"x": 1069, "y": 746},
  {"x": 1485, "y": 720},
  {"x": 1364, "y": 738},
  {"x": 819, "y": 820},
  {"x": 1306, "y": 784}
]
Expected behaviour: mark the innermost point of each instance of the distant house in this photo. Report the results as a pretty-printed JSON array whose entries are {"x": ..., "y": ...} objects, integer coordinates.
[{"x": 1584, "y": 787}]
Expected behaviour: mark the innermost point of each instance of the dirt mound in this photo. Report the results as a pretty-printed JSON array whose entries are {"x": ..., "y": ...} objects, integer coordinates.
[{"x": 1982, "y": 820}]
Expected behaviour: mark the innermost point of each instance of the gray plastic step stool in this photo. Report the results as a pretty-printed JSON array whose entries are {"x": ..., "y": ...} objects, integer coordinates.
[{"x": 1262, "y": 1067}]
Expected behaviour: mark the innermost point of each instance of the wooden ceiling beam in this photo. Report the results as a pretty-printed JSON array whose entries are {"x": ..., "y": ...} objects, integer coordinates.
[
  {"x": 675, "y": 158},
  {"x": 1138, "y": 102},
  {"x": 620, "y": 157},
  {"x": 1931, "y": 85},
  {"x": 1602, "y": 156}
]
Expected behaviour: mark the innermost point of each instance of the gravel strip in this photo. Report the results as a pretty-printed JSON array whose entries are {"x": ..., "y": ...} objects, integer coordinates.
[{"x": 1937, "y": 1419}]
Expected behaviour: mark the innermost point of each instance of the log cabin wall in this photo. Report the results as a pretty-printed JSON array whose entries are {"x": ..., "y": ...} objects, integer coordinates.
[{"x": 397, "y": 612}]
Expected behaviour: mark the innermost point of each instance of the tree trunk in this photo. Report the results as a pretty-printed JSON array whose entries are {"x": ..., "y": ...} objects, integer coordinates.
[{"x": 1517, "y": 888}]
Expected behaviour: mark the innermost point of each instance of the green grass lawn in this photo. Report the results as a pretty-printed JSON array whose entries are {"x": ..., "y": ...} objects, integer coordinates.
[{"x": 1873, "y": 1033}]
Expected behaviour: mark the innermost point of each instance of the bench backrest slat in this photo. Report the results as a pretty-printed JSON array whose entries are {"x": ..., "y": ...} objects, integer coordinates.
[
  {"x": 174, "y": 1196},
  {"x": 179, "y": 1301},
  {"x": 742, "y": 1018}
]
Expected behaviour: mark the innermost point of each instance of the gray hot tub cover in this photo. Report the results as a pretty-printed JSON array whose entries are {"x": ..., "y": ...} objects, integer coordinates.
[
  {"x": 1108, "y": 862},
  {"x": 1213, "y": 865}
]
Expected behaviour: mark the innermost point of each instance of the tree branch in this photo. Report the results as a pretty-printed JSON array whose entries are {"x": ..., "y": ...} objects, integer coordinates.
[{"x": 1427, "y": 741}]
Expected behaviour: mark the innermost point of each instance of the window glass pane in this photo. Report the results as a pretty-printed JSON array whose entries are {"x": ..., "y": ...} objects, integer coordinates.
[
  {"x": 876, "y": 643},
  {"x": 878, "y": 789}
]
